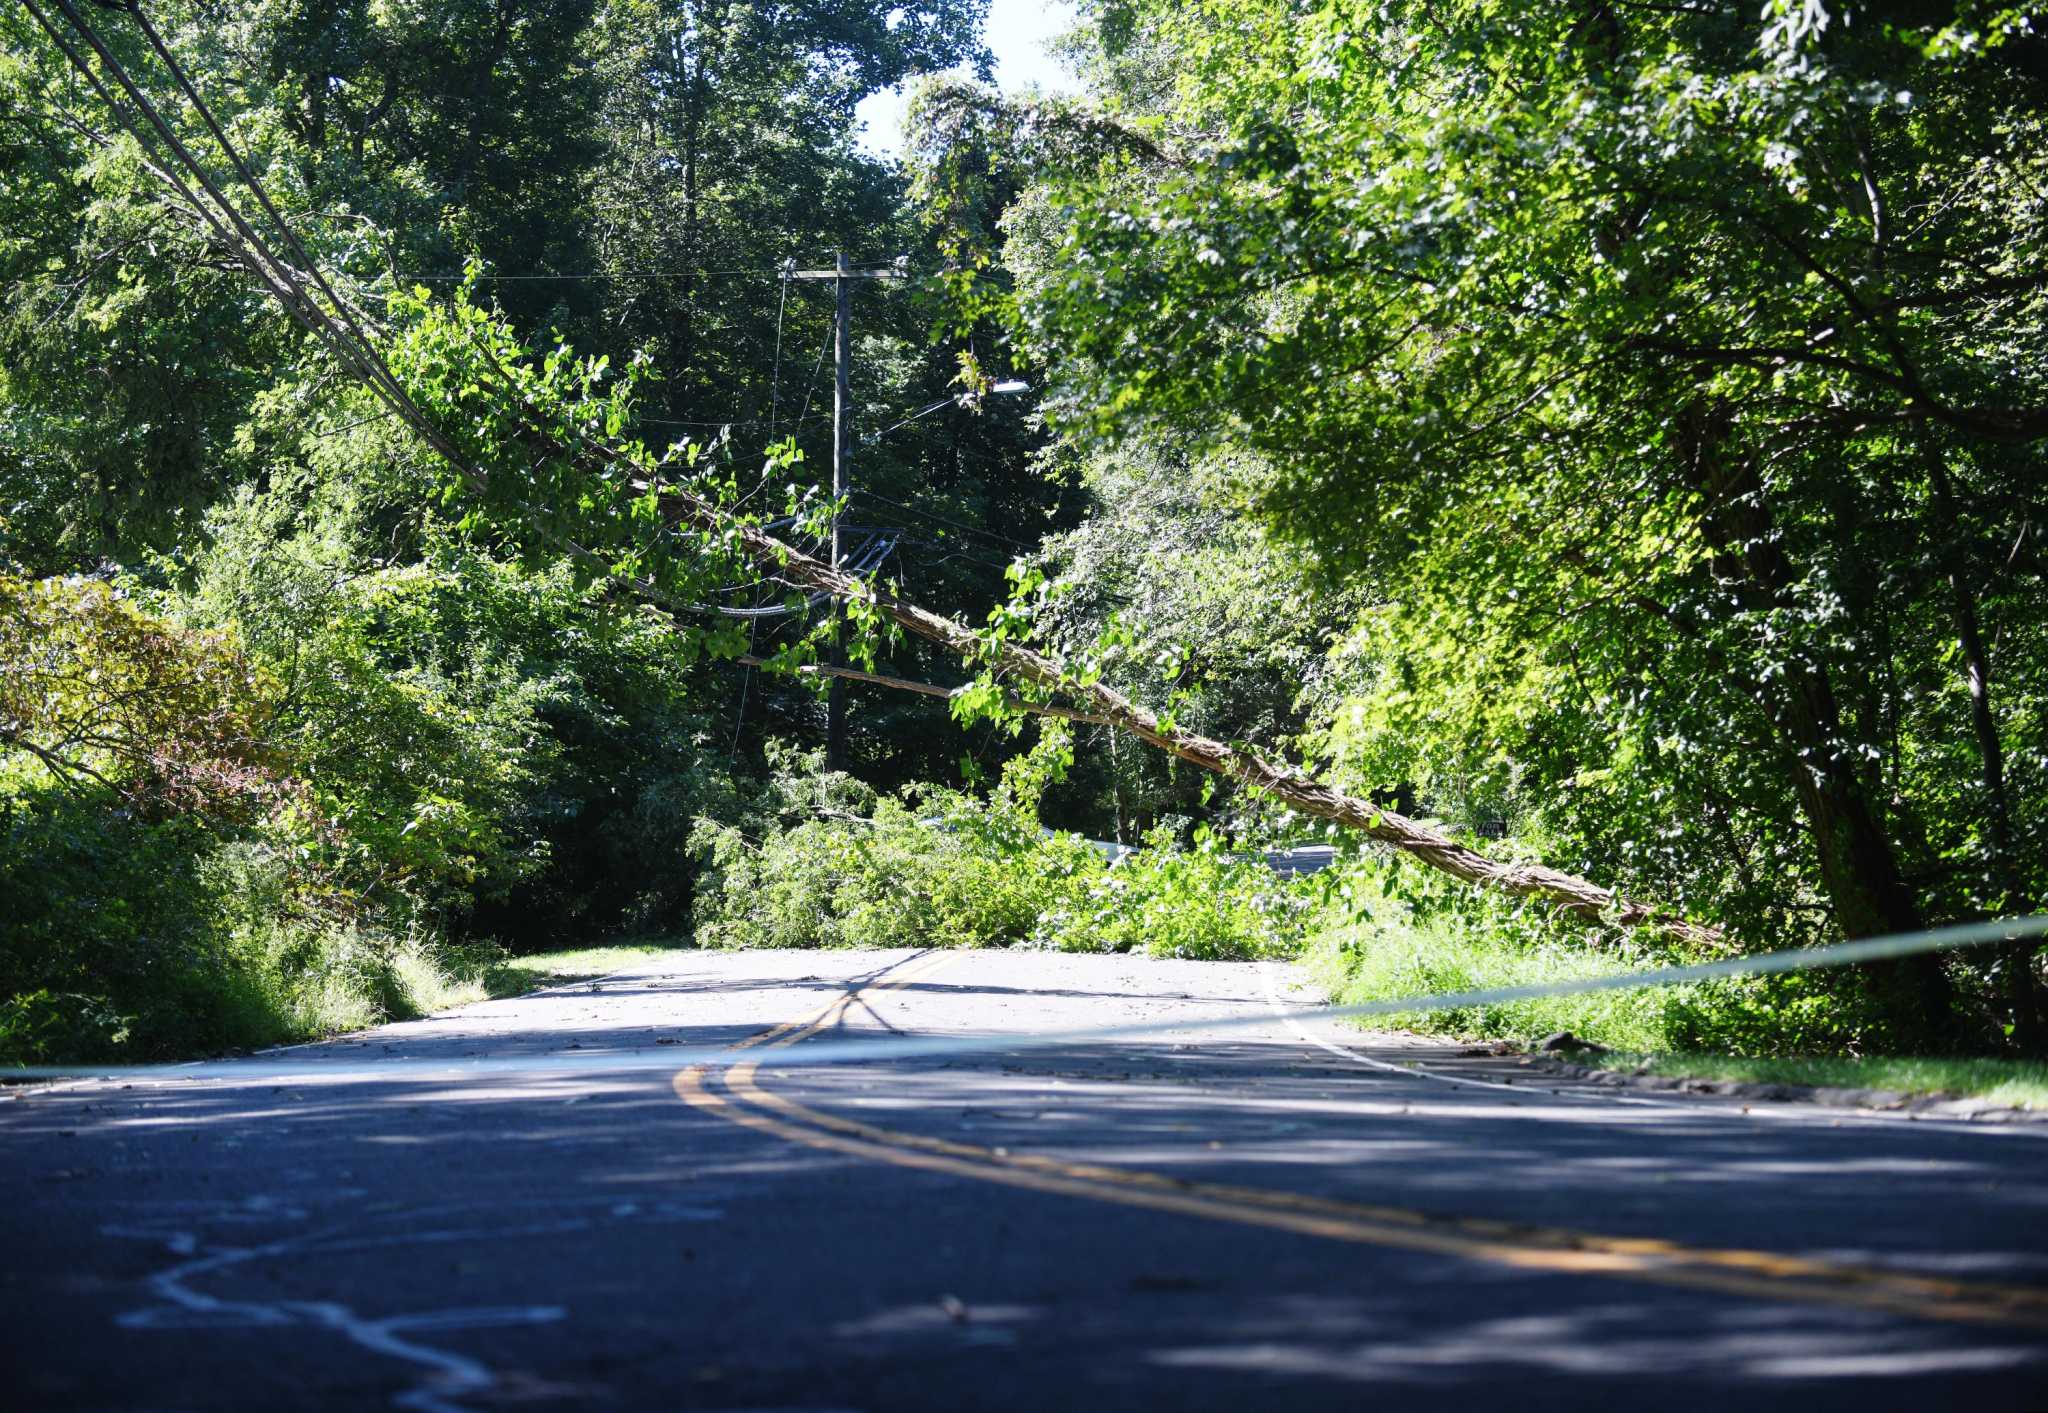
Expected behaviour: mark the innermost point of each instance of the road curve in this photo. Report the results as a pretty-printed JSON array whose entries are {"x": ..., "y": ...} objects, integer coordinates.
[{"x": 1278, "y": 1214}]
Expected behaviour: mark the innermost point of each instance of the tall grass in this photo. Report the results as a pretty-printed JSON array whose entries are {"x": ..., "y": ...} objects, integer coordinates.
[
  {"x": 2020, "y": 1084},
  {"x": 1381, "y": 936},
  {"x": 246, "y": 990},
  {"x": 1408, "y": 957},
  {"x": 130, "y": 940}
]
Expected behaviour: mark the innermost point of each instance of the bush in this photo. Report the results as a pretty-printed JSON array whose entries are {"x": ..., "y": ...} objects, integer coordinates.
[
  {"x": 926, "y": 869},
  {"x": 498, "y": 748},
  {"x": 247, "y": 797},
  {"x": 826, "y": 863},
  {"x": 1207, "y": 903},
  {"x": 131, "y": 940}
]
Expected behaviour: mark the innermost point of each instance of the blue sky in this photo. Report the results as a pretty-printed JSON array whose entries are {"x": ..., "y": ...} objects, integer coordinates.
[{"x": 1017, "y": 32}]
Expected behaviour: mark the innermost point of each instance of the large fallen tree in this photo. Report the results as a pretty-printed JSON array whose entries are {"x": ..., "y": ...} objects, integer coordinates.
[
  {"x": 1284, "y": 782},
  {"x": 506, "y": 405}
]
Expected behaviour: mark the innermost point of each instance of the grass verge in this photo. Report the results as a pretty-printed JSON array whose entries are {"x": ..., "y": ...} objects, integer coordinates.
[
  {"x": 2018, "y": 1084},
  {"x": 515, "y": 976}
]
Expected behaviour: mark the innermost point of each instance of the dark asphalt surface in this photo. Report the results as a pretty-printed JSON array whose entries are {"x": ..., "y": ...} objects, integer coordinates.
[{"x": 403, "y": 1239}]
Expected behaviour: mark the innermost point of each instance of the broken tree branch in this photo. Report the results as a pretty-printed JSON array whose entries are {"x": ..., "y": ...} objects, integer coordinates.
[
  {"x": 928, "y": 689},
  {"x": 1574, "y": 896}
]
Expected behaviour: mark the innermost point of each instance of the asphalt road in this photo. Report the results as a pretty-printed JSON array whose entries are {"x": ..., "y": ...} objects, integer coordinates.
[{"x": 1277, "y": 1217}]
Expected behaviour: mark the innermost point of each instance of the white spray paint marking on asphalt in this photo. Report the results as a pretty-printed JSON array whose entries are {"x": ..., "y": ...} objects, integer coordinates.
[{"x": 447, "y": 1377}]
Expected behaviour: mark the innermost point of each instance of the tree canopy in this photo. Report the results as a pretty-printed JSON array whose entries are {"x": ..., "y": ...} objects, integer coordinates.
[
  {"x": 1671, "y": 378},
  {"x": 1610, "y": 435}
]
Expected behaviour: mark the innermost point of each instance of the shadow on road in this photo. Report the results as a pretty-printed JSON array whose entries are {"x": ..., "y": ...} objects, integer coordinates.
[{"x": 564, "y": 1239}]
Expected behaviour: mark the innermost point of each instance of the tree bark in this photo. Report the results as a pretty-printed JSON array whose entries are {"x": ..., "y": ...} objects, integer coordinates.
[
  {"x": 924, "y": 689},
  {"x": 1859, "y": 867},
  {"x": 2022, "y": 986}
]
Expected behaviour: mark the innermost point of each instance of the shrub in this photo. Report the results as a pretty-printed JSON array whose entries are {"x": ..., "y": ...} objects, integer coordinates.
[
  {"x": 131, "y": 939},
  {"x": 498, "y": 747},
  {"x": 94, "y": 692},
  {"x": 828, "y": 864},
  {"x": 251, "y": 807},
  {"x": 1207, "y": 902},
  {"x": 926, "y": 869}
]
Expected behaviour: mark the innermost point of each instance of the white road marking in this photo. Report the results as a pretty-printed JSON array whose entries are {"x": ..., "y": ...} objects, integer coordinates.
[{"x": 1784, "y": 1113}]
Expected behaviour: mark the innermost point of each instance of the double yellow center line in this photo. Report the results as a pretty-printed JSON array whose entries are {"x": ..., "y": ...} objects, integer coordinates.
[{"x": 1552, "y": 1250}]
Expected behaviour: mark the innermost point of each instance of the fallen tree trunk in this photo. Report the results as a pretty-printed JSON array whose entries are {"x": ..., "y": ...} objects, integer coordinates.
[
  {"x": 925, "y": 689},
  {"x": 1577, "y": 897}
]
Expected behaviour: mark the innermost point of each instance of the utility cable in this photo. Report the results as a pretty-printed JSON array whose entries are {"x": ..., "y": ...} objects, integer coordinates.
[
  {"x": 280, "y": 285},
  {"x": 281, "y": 279},
  {"x": 921, "y": 412},
  {"x": 871, "y": 555},
  {"x": 487, "y": 278},
  {"x": 944, "y": 520},
  {"x": 254, "y": 249},
  {"x": 868, "y": 1050},
  {"x": 823, "y": 348},
  {"x": 353, "y": 344},
  {"x": 360, "y": 340}
]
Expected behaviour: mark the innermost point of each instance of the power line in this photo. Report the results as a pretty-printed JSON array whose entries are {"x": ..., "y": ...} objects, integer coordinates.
[
  {"x": 326, "y": 432},
  {"x": 586, "y": 275},
  {"x": 351, "y": 344},
  {"x": 944, "y": 520},
  {"x": 255, "y": 252},
  {"x": 953, "y": 553},
  {"x": 816, "y": 368},
  {"x": 870, "y": 556},
  {"x": 164, "y": 54},
  {"x": 718, "y": 422},
  {"x": 921, "y": 412}
]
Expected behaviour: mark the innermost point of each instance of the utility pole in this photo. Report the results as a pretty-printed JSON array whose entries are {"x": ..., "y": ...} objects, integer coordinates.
[{"x": 842, "y": 274}]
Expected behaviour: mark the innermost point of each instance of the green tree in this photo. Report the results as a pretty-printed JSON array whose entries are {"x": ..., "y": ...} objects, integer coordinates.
[{"x": 1673, "y": 377}]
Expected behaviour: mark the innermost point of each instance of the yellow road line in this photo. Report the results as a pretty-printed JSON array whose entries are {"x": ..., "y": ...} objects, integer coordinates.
[{"x": 1553, "y": 1250}]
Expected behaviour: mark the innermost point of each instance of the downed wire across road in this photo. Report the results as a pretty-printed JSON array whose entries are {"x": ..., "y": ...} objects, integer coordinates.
[{"x": 836, "y": 1052}]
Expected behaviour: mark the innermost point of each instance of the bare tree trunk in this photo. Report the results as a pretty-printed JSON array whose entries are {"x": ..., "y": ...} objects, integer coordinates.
[
  {"x": 2022, "y": 986},
  {"x": 1859, "y": 867}
]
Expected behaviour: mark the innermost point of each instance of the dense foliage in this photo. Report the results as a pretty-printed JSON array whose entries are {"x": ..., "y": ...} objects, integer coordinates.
[
  {"x": 1611, "y": 431},
  {"x": 280, "y": 724},
  {"x": 826, "y": 863},
  {"x": 1667, "y": 379}
]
